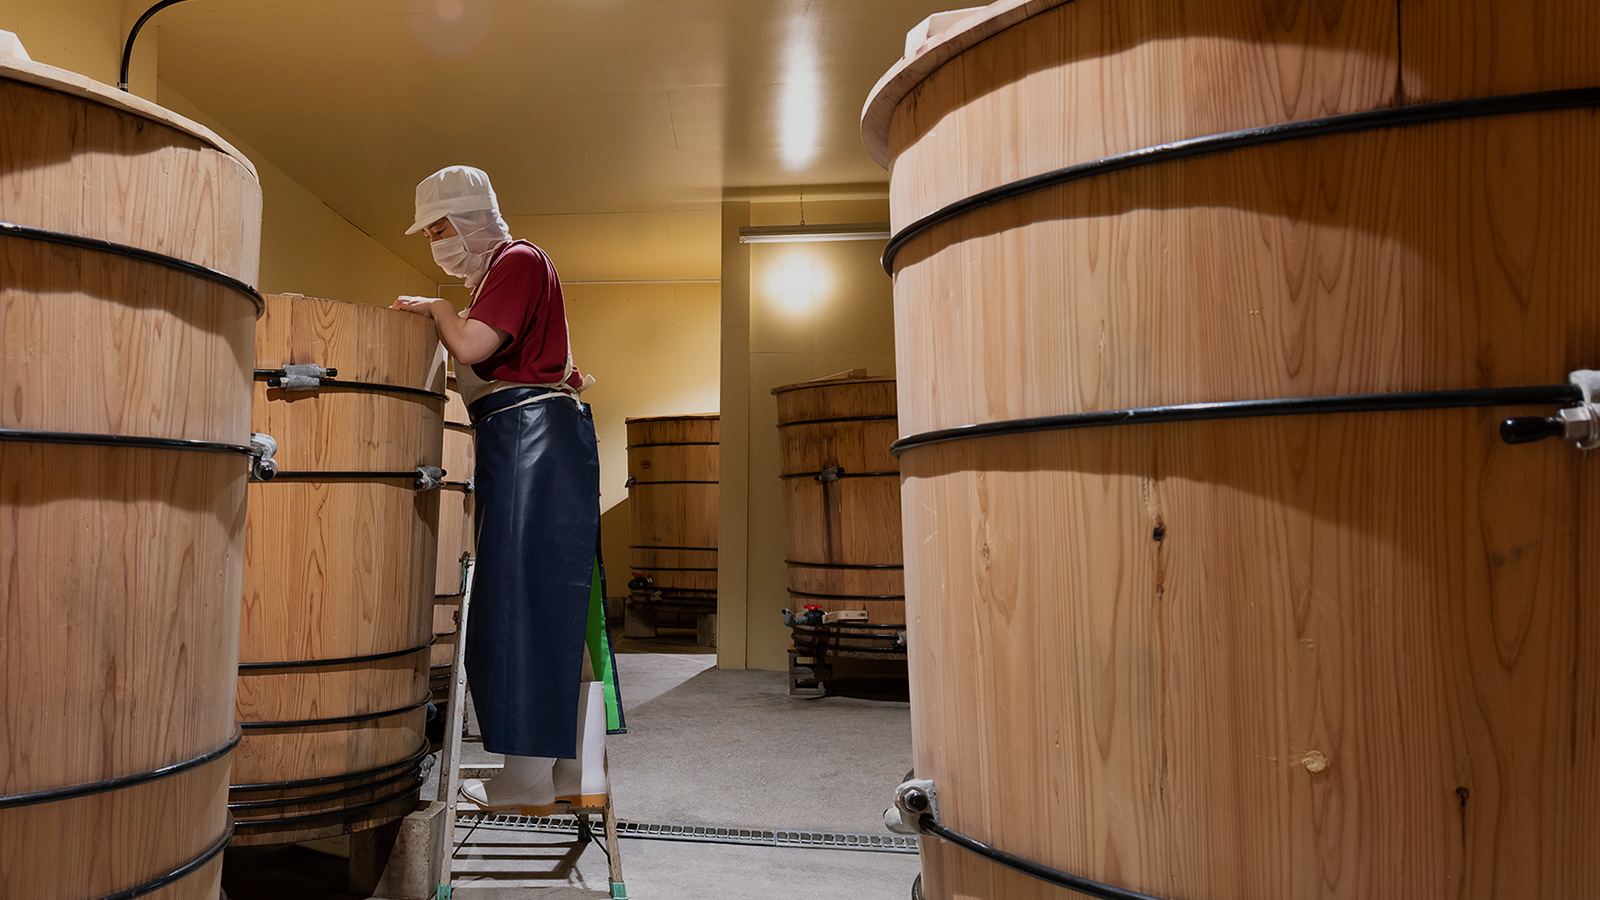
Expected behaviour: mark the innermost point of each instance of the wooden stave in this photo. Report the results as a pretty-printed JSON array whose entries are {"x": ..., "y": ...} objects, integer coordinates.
[
  {"x": 948, "y": 871},
  {"x": 156, "y": 183},
  {"x": 859, "y": 446},
  {"x": 673, "y": 468},
  {"x": 388, "y": 351},
  {"x": 368, "y": 344},
  {"x": 1351, "y": 64},
  {"x": 98, "y": 820},
  {"x": 199, "y": 199},
  {"x": 852, "y": 521},
  {"x": 209, "y": 328},
  {"x": 656, "y": 463},
  {"x": 673, "y": 515}
]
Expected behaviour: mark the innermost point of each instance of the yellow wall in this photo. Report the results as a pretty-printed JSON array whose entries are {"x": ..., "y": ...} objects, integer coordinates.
[{"x": 772, "y": 337}]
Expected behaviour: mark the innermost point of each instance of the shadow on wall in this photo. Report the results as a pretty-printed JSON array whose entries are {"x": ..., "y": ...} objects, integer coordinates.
[{"x": 614, "y": 539}]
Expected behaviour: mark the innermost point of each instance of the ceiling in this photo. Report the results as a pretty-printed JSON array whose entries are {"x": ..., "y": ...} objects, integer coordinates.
[{"x": 614, "y": 125}]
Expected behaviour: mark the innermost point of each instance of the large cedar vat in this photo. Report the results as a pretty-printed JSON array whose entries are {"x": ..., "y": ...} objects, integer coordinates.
[
  {"x": 672, "y": 486},
  {"x": 125, "y": 328},
  {"x": 1290, "y": 656},
  {"x": 841, "y": 503},
  {"x": 455, "y": 537},
  {"x": 339, "y": 573}
]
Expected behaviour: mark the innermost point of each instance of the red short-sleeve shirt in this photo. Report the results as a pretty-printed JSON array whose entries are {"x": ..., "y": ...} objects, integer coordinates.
[{"x": 521, "y": 295}]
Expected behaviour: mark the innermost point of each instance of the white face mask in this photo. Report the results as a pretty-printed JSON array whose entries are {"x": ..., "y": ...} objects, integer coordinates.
[{"x": 453, "y": 256}]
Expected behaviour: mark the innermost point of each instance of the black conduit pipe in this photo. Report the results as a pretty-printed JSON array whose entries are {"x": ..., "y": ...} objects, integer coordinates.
[{"x": 133, "y": 35}]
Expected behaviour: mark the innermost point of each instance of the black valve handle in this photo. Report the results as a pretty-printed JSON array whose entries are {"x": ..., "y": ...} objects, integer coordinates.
[{"x": 1528, "y": 429}]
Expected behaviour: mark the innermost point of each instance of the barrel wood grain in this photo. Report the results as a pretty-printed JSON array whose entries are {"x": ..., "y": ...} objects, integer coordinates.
[
  {"x": 673, "y": 466},
  {"x": 339, "y": 568},
  {"x": 1092, "y": 78},
  {"x": 1335, "y": 657},
  {"x": 1357, "y": 288},
  {"x": 844, "y": 543},
  {"x": 104, "y": 168},
  {"x": 119, "y": 611}
]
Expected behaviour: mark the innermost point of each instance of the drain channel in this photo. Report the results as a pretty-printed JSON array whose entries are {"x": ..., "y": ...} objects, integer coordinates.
[{"x": 706, "y": 834}]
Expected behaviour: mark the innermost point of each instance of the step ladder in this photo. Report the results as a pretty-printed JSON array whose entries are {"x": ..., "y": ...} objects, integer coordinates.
[{"x": 451, "y": 772}]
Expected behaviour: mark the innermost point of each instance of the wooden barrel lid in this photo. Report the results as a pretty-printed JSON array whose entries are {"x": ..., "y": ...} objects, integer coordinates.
[
  {"x": 922, "y": 61},
  {"x": 68, "y": 82}
]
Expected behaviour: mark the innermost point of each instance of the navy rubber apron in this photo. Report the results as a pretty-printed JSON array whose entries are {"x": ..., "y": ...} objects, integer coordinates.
[{"x": 537, "y": 520}]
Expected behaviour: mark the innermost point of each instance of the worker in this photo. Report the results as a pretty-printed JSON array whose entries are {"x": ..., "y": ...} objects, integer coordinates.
[{"x": 537, "y": 514}]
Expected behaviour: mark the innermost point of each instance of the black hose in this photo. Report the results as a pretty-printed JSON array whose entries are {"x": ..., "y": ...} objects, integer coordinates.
[
  {"x": 133, "y": 35},
  {"x": 1085, "y": 886}
]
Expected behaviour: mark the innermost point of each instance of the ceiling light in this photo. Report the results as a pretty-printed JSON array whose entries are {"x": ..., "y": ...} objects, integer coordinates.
[{"x": 798, "y": 234}]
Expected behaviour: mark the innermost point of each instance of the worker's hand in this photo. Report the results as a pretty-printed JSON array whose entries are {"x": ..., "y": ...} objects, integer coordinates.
[{"x": 422, "y": 306}]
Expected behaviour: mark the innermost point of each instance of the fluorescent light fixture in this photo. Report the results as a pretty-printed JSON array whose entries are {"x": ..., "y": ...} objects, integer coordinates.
[{"x": 801, "y": 234}]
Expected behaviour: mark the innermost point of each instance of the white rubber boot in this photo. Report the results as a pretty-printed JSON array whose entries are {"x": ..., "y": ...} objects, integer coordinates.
[
  {"x": 525, "y": 784},
  {"x": 583, "y": 781}
]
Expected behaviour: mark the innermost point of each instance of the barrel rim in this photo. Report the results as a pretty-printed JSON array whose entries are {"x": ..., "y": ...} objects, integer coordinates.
[
  {"x": 831, "y": 382},
  {"x": 63, "y": 81},
  {"x": 923, "y": 61},
  {"x": 686, "y": 417}
]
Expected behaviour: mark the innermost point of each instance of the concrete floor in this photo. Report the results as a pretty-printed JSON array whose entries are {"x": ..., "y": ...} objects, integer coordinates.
[{"x": 705, "y": 747}]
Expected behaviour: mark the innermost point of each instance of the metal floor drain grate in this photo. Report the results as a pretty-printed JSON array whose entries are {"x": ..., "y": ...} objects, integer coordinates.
[{"x": 706, "y": 834}]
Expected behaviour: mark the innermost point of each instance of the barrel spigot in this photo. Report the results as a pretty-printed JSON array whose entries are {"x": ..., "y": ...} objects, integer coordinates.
[{"x": 1579, "y": 424}]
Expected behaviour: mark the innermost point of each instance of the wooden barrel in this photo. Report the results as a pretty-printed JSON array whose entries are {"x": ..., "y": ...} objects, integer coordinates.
[
  {"x": 455, "y": 537},
  {"x": 339, "y": 573},
  {"x": 672, "y": 489},
  {"x": 126, "y": 318},
  {"x": 1221, "y": 583},
  {"x": 841, "y": 502}
]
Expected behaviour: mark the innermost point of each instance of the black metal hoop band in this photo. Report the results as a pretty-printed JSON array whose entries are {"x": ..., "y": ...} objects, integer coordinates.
[
  {"x": 796, "y": 593},
  {"x": 178, "y": 874},
  {"x": 24, "y": 436},
  {"x": 341, "y": 476},
  {"x": 341, "y": 661},
  {"x": 636, "y": 483},
  {"x": 126, "y": 781},
  {"x": 465, "y": 426},
  {"x": 331, "y": 814},
  {"x": 412, "y": 760},
  {"x": 327, "y": 797},
  {"x": 1077, "y": 883},
  {"x": 812, "y": 565},
  {"x": 340, "y": 720},
  {"x": 1188, "y": 148},
  {"x": 837, "y": 419},
  {"x": 375, "y": 387},
  {"x": 675, "y": 444},
  {"x": 816, "y": 475},
  {"x": 46, "y": 236},
  {"x": 1402, "y": 401}
]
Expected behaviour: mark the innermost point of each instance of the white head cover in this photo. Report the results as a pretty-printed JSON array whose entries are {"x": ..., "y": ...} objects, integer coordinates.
[
  {"x": 464, "y": 196},
  {"x": 453, "y": 189}
]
